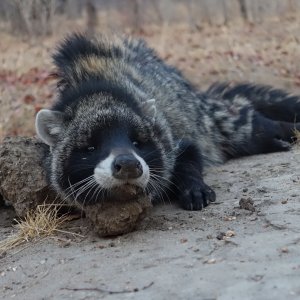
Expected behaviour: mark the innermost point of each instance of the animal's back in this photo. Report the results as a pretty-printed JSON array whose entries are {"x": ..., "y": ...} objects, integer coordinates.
[{"x": 187, "y": 112}]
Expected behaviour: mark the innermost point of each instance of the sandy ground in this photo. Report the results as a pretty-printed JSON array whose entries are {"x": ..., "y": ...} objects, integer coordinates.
[{"x": 176, "y": 254}]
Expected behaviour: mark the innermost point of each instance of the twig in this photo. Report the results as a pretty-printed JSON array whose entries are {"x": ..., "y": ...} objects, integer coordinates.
[
  {"x": 69, "y": 232},
  {"x": 134, "y": 290}
]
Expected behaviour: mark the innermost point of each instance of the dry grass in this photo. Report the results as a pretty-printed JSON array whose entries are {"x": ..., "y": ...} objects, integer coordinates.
[
  {"x": 296, "y": 137},
  {"x": 42, "y": 222}
]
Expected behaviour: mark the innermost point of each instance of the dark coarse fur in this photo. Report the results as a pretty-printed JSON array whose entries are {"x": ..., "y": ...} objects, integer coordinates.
[{"x": 104, "y": 84}]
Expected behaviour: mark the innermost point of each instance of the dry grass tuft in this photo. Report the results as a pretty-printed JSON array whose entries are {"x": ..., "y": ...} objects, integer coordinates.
[
  {"x": 42, "y": 222},
  {"x": 296, "y": 137}
]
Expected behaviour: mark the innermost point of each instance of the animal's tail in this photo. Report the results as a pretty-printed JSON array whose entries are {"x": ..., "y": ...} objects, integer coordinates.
[
  {"x": 274, "y": 104},
  {"x": 261, "y": 119}
]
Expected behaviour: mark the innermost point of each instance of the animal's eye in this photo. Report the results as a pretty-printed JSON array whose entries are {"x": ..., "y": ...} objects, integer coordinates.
[
  {"x": 136, "y": 144},
  {"x": 91, "y": 149},
  {"x": 85, "y": 149}
]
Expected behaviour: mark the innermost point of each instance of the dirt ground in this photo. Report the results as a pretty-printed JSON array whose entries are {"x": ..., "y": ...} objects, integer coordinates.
[
  {"x": 223, "y": 252},
  {"x": 177, "y": 254}
]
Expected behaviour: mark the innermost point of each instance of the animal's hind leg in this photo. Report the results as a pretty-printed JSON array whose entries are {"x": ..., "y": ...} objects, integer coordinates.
[
  {"x": 288, "y": 131},
  {"x": 266, "y": 136},
  {"x": 272, "y": 136}
]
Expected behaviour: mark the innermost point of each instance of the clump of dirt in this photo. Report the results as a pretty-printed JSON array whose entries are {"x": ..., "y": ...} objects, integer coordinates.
[
  {"x": 121, "y": 214},
  {"x": 221, "y": 235},
  {"x": 22, "y": 176},
  {"x": 247, "y": 204}
]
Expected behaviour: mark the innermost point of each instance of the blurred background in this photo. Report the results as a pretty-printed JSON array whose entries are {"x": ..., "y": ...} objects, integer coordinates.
[{"x": 209, "y": 40}]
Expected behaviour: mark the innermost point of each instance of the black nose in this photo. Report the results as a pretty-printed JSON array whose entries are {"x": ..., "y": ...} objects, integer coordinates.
[{"x": 126, "y": 166}]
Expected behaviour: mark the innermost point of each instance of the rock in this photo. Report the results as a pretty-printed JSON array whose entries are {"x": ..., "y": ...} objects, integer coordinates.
[
  {"x": 221, "y": 235},
  {"x": 247, "y": 204},
  {"x": 120, "y": 214},
  {"x": 22, "y": 177}
]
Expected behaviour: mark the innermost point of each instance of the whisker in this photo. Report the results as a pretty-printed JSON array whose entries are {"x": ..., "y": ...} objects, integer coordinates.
[
  {"x": 72, "y": 187},
  {"x": 159, "y": 189},
  {"x": 158, "y": 177},
  {"x": 156, "y": 191},
  {"x": 94, "y": 185},
  {"x": 84, "y": 188}
]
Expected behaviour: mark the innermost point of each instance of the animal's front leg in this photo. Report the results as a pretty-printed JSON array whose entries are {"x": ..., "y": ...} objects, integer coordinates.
[{"x": 192, "y": 192}]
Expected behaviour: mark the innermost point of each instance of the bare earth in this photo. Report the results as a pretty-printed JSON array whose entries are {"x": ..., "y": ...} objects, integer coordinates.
[{"x": 175, "y": 254}]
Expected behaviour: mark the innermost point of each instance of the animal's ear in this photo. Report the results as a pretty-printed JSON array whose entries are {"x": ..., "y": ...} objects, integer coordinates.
[
  {"x": 149, "y": 109},
  {"x": 48, "y": 125}
]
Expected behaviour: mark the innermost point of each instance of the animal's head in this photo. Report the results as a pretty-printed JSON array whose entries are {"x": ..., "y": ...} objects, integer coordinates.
[{"x": 100, "y": 144}]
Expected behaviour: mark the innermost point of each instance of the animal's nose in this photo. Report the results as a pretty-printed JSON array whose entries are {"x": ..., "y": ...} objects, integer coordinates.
[{"x": 126, "y": 166}]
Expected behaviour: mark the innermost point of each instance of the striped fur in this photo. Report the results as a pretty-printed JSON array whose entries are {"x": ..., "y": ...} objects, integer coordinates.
[{"x": 104, "y": 87}]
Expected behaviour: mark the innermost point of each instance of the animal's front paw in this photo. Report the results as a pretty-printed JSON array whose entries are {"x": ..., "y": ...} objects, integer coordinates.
[{"x": 196, "y": 195}]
